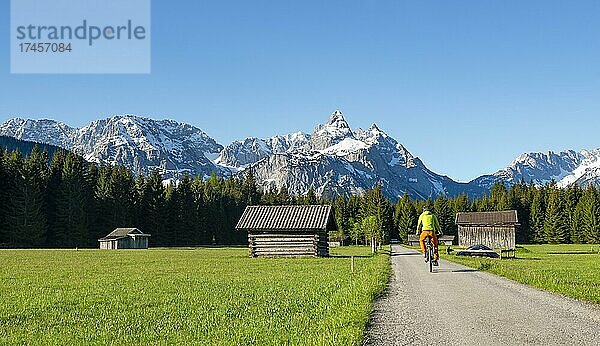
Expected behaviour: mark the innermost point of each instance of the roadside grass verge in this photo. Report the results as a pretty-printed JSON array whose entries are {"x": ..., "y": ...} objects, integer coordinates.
[
  {"x": 204, "y": 296},
  {"x": 569, "y": 269}
]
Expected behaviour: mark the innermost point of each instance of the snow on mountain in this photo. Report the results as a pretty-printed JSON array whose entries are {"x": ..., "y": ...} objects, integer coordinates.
[
  {"x": 138, "y": 143},
  {"x": 588, "y": 171},
  {"x": 564, "y": 168},
  {"x": 332, "y": 132},
  {"x": 332, "y": 160},
  {"x": 337, "y": 161},
  {"x": 345, "y": 147},
  {"x": 241, "y": 153},
  {"x": 41, "y": 131}
]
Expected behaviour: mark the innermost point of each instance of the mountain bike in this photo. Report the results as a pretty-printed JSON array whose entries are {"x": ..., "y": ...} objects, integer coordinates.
[{"x": 429, "y": 253}]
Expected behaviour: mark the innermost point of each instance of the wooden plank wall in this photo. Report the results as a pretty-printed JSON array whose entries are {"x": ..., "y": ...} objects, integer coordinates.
[
  {"x": 288, "y": 244},
  {"x": 125, "y": 243},
  {"x": 492, "y": 236}
]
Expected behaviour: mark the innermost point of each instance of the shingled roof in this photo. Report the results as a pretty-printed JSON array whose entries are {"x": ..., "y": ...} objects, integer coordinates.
[
  {"x": 119, "y": 233},
  {"x": 287, "y": 217},
  {"x": 508, "y": 217}
]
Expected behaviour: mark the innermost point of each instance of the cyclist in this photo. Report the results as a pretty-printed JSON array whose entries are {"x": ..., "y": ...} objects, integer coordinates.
[{"x": 428, "y": 226}]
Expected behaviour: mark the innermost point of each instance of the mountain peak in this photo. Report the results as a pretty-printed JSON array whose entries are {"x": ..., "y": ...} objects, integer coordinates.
[
  {"x": 375, "y": 131},
  {"x": 337, "y": 120},
  {"x": 374, "y": 127}
]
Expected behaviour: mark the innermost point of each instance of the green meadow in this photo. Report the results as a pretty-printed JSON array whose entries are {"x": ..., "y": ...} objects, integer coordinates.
[
  {"x": 569, "y": 269},
  {"x": 203, "y": 296}
]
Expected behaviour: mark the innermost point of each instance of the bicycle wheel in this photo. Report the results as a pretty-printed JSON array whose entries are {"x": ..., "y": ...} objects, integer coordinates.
[{"x": 430, "y": 259}]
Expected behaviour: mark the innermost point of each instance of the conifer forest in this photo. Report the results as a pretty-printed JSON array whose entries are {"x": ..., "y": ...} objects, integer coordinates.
[{"x": 59, "y": 200}]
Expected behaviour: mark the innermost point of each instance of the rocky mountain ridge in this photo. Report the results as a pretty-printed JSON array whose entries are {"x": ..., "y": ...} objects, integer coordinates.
[
  {"x": 138, "y": 143},
  {"x": 332, "y": 160}
]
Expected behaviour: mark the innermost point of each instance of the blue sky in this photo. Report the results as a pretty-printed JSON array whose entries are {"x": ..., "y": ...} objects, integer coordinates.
[{"x": 464, "y": 85}]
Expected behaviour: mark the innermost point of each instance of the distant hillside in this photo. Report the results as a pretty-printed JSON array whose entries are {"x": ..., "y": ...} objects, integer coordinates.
[{"x": 25, "y": 147}]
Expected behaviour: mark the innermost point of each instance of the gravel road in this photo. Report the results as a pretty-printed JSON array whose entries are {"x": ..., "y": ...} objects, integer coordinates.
[{"x": 457, "y": 305}]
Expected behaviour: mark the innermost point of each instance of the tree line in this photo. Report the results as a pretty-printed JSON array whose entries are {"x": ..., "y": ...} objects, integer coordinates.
[
  {"x": 64, "y": 201},
  {"x": 546, "y": 214},
  {"x": 61, "y": 200}
]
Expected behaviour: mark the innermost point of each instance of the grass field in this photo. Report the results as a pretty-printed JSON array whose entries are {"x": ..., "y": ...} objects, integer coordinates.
[
  {"x": 571, "y": 269},
  {"x": 202, "y": 296}
]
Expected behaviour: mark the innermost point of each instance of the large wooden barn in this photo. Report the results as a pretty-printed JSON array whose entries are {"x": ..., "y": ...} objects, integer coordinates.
[
  {"x": 125, "y": 238},
  {"x": 288, "y": 230},
  {"x": 495, "y": 229}
]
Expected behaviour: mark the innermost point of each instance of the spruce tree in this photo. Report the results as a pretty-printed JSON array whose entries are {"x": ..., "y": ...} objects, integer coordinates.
[
  {"x": 460, "y": 203},
  {"x": 555, "y": 222},
  {"x": 406, "y": 216},
  {"x": 71, "y": 216},
  {"x": 537, "y": 216},
  {"x": 341, "y": 217},
  {"x": 154, "y": 203},
  {"x": 375, "y": 204},
  {"x": 214, "y": 191},
  {"x": 185, "y": 211},
  {"x": 168, "y": 237},
  {"x": 578, "y": 226},
  {"x": 54, "y": 183},
  {"x": 445, "y": 214},
  {"x": 269, "y": 197},
  {"x": 484, "y": 204},
  {"x": 122, "y": 189},
  {"x": 310, "y": 197},
  {"x": 5, "y": 179},
  {"x": 572, "y": 194},
  {"x": 201, "y": 236},
  {"x": 250, "y": 194},
  {"x": 90, "y": 180},
  {"x": 590, "y": 215},
  {"x": 104, "y": 205},
  {"x": 518, "y": 199},
  {"x": 26, "y": 212},
  {"x": 387, "y": 221},
  {"x": 370, "y": 229},
  {"x": 499, "y": 197},
  {"x": 283, "y": 197},
  {"x": 356, "y": 231}
]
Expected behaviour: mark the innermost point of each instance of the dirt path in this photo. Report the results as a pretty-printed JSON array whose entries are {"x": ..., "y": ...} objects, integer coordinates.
[{"x": 474, "y": 308}]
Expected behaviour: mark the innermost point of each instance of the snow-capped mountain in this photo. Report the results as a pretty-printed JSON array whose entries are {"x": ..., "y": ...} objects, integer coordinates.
[
  {"x": 40, "y": 131},
  {"x": 566, "y": 167},
  {"x": 138, "y": 143},
  {"x": 335, "y": 160},
  {"x": 239, "y": 154}
]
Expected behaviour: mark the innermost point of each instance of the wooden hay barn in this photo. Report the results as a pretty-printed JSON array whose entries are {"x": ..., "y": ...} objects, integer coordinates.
[
  {"x": 495, "y": 229},
  {"x": 288, "y": 230},
  {"x": 125, "y": 238}
]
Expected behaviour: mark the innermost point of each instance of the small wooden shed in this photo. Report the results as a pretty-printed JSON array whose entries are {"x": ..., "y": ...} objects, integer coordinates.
[
  {"x": 494, "y": 229},
  {"x": 125, "y": 238},
  {"x": 288, "y": 230}
]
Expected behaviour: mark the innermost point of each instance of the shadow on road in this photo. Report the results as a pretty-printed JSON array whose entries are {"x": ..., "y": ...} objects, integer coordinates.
[
  {"x": 407, "y": 254},
  {"x": 464, "y": 270},
  {"x": 456, "y": 271}
]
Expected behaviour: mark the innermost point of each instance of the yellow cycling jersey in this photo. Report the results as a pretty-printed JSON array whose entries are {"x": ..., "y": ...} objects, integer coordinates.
[{"x": 428, "y": 222}]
